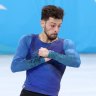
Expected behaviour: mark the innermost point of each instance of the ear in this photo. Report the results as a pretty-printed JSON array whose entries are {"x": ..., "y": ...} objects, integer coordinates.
[{"x": 42, "y": 23}]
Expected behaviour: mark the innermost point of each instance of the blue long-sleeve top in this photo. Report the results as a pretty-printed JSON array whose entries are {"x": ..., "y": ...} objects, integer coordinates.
[{"x": 20, "y": 63}]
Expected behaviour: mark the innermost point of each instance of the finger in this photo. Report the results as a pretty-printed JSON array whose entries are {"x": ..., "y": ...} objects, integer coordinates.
[{"x": 41, "y": 48}]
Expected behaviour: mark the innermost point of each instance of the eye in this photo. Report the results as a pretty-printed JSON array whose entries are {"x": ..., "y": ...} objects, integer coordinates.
[
  {"x": 59, "y": 26},
  {"x": 52, "y": 26}
]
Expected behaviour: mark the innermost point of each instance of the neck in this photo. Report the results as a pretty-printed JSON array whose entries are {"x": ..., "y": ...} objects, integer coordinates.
[{"x": 45, "y": 39}]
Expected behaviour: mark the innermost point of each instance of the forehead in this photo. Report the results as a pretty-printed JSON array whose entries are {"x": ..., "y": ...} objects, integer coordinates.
[{"x": 54, "y": 21}]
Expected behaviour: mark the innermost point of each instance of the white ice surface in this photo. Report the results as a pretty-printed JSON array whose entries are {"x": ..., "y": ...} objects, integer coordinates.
[{"x": 75, "y": 82}]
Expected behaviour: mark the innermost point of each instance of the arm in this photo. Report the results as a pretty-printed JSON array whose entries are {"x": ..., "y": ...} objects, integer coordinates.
[
  {"x": 71, "y": 57},
  {"x": 20, "y": 63}
]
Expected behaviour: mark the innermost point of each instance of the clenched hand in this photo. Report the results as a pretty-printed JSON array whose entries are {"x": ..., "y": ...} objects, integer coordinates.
[{"x": 43, "y": 52}]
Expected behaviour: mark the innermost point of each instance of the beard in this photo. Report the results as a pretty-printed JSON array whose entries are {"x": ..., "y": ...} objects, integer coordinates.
[{"x": 51, "y": 37}]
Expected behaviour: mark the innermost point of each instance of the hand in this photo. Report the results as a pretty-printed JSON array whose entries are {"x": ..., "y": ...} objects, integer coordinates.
[
  {"x": 47, "y": 59},
  {"x": 43, "y": 52}
]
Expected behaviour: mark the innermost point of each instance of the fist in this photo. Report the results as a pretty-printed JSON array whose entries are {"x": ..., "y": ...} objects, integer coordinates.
[{"x": 43, "y": 52}]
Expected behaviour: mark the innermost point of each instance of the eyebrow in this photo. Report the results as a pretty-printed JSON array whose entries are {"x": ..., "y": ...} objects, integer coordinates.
[{"x": 55, "y": 23}]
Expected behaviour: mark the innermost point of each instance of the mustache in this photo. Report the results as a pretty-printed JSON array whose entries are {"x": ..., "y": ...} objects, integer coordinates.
[{"x": 55, "y": 34}]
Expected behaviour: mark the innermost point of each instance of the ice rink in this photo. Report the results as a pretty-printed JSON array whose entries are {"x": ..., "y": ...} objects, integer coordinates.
[{"x": 75, "y": 82}]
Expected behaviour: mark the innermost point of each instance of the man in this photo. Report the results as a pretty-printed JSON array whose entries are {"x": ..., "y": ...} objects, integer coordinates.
[{"x": 45, "y": 56}]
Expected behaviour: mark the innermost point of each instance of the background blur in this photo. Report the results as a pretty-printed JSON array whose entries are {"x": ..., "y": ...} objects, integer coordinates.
[{"x": 21, "y": 17}]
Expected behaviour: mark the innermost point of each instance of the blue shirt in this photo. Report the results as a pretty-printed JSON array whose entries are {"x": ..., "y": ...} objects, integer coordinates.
[{"x": 36, "y": 67}]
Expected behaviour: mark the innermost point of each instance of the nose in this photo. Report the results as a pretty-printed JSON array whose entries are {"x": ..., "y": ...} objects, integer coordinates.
[{"x": 56, "y": 29}]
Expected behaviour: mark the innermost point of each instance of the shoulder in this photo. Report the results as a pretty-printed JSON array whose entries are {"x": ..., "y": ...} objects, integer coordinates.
[
  {"x": 67, "y": 41},
  {"x": 69, "y": 44},
  {"x": 26, "y": 39}
]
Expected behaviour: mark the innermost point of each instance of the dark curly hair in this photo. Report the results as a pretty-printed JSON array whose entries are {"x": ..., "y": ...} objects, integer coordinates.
[{"x": 52, "y": 11}]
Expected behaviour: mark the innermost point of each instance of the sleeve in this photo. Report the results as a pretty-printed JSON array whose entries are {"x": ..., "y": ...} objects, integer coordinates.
[
  {"x": 70, "y": 58},
  {"x": 19, "y": 62}
]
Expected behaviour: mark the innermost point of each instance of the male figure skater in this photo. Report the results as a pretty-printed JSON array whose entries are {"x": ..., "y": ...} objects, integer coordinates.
[{"x": 45, "y": 56}]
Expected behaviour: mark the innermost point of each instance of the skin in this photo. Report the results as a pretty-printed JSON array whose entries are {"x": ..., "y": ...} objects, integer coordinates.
[{"x": 50, "y": 34}]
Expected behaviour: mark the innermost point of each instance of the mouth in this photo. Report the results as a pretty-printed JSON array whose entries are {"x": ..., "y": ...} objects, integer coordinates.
[{"x": 54, "y": 34}]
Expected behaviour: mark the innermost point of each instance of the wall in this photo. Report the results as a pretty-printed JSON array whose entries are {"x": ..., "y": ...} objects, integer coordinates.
[{"x": 21, "y": 17}]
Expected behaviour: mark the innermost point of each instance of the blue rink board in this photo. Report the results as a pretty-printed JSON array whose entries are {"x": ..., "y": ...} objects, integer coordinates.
[{"x": 22, "y": 17}]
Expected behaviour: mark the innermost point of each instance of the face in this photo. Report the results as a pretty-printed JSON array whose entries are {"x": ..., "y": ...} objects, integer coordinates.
[{"x": 51, "y": 27}]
